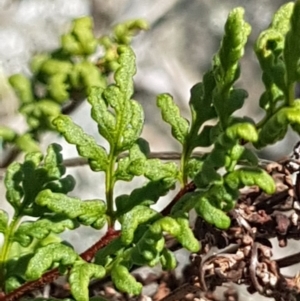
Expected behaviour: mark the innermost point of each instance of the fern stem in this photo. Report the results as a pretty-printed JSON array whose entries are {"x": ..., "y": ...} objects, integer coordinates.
[
  {"x": 289, "y": 100},
  {"x": 291, "y": 94},
  {"x": 109, "y": 188},
  {"x": 5, "y": 250},
  {"x": 184, "y": 156}
]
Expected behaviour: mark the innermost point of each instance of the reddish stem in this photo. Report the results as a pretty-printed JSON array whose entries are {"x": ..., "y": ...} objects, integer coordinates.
[
  {"x": 87, "y": 255},
  {"x": 187, "y": 188},
  {"x": 50, "y": 276}
]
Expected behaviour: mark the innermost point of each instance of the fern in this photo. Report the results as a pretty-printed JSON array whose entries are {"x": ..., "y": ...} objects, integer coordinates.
[{"x": 39, "y": 187}]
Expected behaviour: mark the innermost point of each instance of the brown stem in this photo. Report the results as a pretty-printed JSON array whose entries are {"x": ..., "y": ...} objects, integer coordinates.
[
  {"x": 87, "y": 255},
  {"x": 50, "y": 276},
  {"x": 90, "y": 253},
  {"x": 272, "y": 201},
  {"x": 165, "y": 156},
  {"x": 187, "y": 188},
  {"x": 252, "y": 268},
  {"x": 74, "y": 162},
  {"x": 288, "y": 260}
]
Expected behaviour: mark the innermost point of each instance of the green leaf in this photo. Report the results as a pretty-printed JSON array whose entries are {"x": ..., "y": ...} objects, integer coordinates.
[
  {"x": 276, "y": 126},
  {"x": 212, "y": 214},
  {"x": 240, "y": 153},
  {"x": 123, "y": 126},
  {"x": 226, "y": 65},
  {"x": 124, "y": 32},
  {"x": 186, "y": 203},
  {"x": 201, "y": 101},
  {"x": 37, "y": 62},
  {"x": 132, "y": 219},
  {"x": 85, "y": 75},
  {"x": 281, "y": 19},
  {"x": 236, "y": 100},
  {"x": 269, "y": 48},
  {"x": 222, "y": 197},
  {"x": 193, "y": 167},
  {"x": 53, "y": 162},
  {"x": 85, "y": 144},
  {"x": 3, "y": 221},
  {"x": 232, "y": 47},
  {"x": 58, "y": 87},
  {"x": 63, "y": 185},
  {"x": 242, "y": 130},
  {"x": 89, "y": 212},
  {"x": 168, "y": 224},
  {"x": 138, "y": 259},
  {"x": 124, "y": 281},
  {"x": 151, "y": 244},
  {"x": 202, "y": 110},
  {"x": 41, "y": 228},
  {"x": 19, "y": 179},
  {"x": 12, "y": 181},
  {"x": 208, "y": 174},
  {"x": 12, "y": 283},
  {"x": 32, "y": 173},
  {"x": 180, "y": 229},
  {"x": 236, "y": 152},
  {"x": 171, "y": 114},
  {"x": 146, "y": 195},
  {"x": 249, "y": 176},
  {"x": 269, "y": 97},
  {"x": 155, "y": 170},
  {"x": 102, "y": 256},
  {"x": 27, "y": 144},
  {"x": 133, "y": 165},
  {"x": 7, "y": 134},
  {"x": 204, "y": 138},
  {"x": 80, "y": 276},
  {"x": 123, "y": 174},
  {"x": 291, "y": 51},
  {"x": 22, "y": 86},
  {"x": 39, "y": 115},
  {"x": 47, "y": 256},
  {"x": 249, "y": 156},
  {"x": 129, "y": 119},
  {"x": 100, "y": 113},
  {"x": 186, "y": 236},
  {"x": 81, "y": 40},
  {"x": 132, "y": 129},
  {"x": 126, "y": 71},
  {"x": 54, "y": 66},
  {"x": 168, "y": 260}
]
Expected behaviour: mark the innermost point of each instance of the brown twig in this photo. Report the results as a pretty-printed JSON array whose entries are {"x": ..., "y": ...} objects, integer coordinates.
[
  {"x": 244, "y": 221},
  {"x": 165, "y": 156},
  {"x": 87, "y": 255},
  {"x": 253, "y": 267},
  {"x": 288, "y": 260},
  {"x": 187, "y": 188},
  {"x": 273, "y": 200},
  {"x": 50, "y": 276}
]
